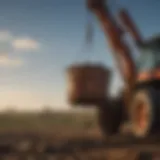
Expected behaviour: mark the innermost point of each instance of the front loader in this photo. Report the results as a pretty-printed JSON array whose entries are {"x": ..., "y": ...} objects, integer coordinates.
[{"x": 136, "y": 110}]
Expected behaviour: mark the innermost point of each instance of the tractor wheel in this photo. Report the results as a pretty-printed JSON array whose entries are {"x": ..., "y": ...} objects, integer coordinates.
[
  {"x": 110, "y": 117},
  {"x": 143, "y": 112}
]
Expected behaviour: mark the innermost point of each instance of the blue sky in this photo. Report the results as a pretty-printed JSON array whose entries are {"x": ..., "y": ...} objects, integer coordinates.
[{"x": 39, "y": 38}]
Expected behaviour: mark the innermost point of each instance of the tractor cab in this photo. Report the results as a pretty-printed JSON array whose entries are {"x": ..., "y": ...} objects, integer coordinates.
[{"x": 148, "y": 64}]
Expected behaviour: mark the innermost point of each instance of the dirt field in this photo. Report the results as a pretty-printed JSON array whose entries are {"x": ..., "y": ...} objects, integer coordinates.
[{"x": 33, "y": 134}]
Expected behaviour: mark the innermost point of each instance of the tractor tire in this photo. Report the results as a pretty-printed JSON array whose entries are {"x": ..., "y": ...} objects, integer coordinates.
[
  {"x": 144, "y": 112},
  {"x": 110, "y": 117}
]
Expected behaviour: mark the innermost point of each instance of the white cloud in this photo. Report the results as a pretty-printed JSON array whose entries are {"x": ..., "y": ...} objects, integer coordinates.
[
  {"x": 5, "y": 36},
  {"x": 5, "y": 61},
  {"x": 25, "y": 44},
  {"x": 11, "y": 43},
  {"x": 18, "y": 43},
  {"x": 3, "y": 54}
]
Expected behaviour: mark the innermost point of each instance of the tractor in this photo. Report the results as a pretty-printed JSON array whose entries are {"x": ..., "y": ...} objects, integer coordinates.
[{"x": 136, "y": 110}]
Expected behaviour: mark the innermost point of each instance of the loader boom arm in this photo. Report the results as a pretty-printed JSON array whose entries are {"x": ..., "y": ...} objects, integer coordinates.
[
  {"x": 128, "y": 22},
  {"x": 114, "y": 36}
]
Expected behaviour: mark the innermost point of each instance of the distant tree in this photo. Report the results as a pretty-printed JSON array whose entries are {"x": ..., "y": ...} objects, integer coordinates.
[
  {"x": 46, "y": 110},
  {"x": 10, "y": 110}
]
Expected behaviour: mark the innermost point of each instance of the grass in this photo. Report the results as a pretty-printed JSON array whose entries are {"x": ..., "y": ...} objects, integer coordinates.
[
  {"x": 46, "y": 121},
  {"x": 65, "y": 126}
]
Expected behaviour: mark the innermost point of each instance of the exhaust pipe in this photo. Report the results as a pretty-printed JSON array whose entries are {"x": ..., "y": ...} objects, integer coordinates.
[{"x": 130, "y": 26}]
